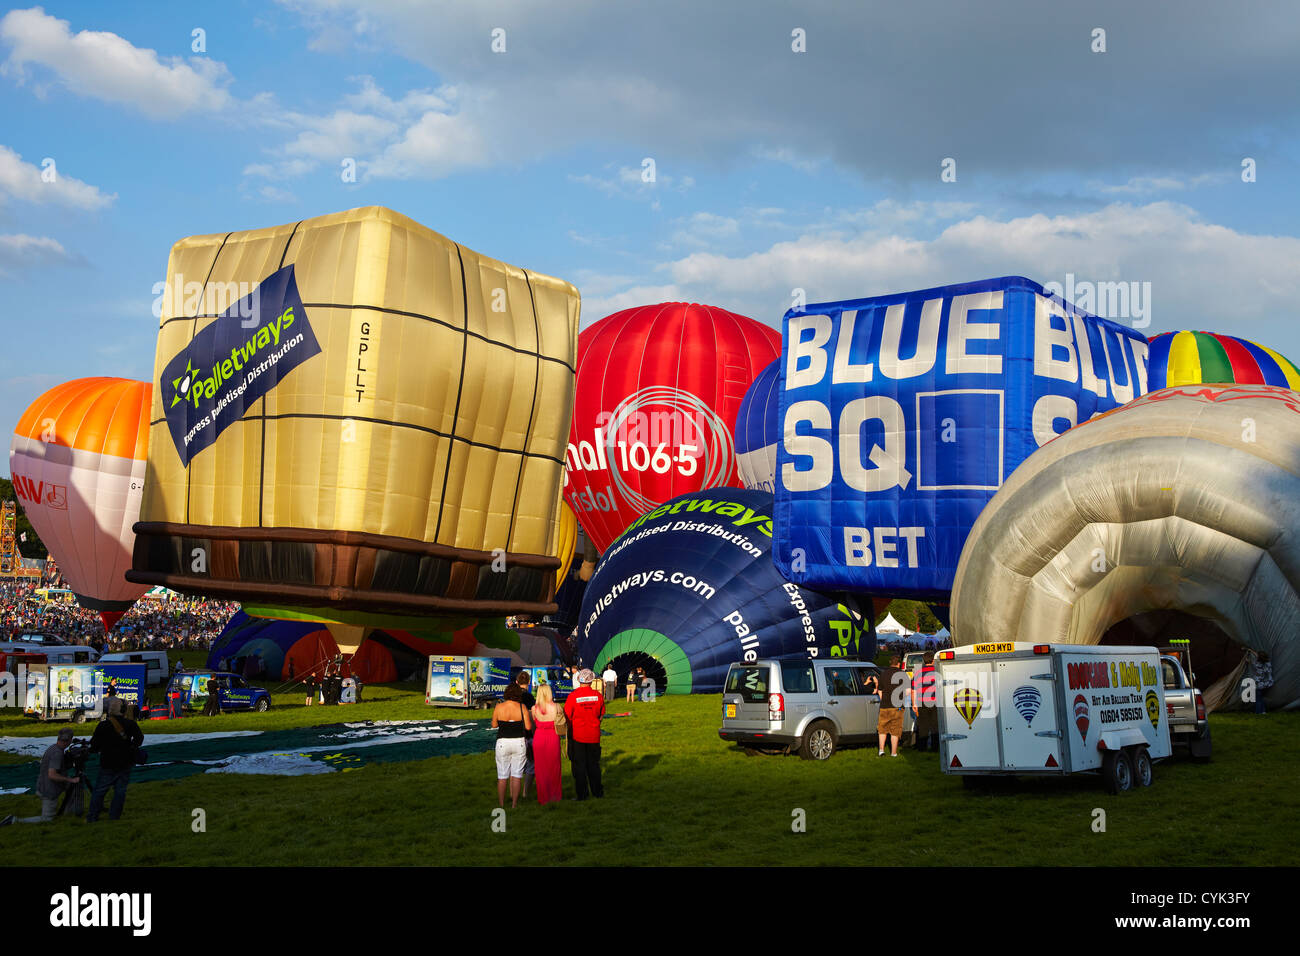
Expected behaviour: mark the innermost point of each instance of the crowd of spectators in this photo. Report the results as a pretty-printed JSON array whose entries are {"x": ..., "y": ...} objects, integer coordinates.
[
  {"x": 906, "y": 646},
  {"x": 182, "y": 623}
]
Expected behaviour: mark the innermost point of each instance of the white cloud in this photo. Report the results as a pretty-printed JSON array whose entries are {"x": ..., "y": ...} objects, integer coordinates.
[
  {"x": 596, "y": 307},
  {"x": 342, "y": 133},
  {"x": 107, "y": 67},
  {"x": 286, "y": 170},
  {"x": 628, "y": 182},
  {"x": 805, "y": 162},
  {"x": 24, "y": 181},
  {"x": 1145, "y": 185},
  {"x": 276, "y": 194},
  {"x": 864, "y": 96},
  {"x": 434, "y": 146},
  {"x": 372, "y": 99},
  {"x": 422, "y": 125},
  {"x": 891, "y": 216},
  {"x": 706, "y": 228},
  {"x": 609, "y": 187},
  {"x": 1202, "y": 275},
  {"x": 26, "y": 252},
  {"x": 426, "y": 133}
]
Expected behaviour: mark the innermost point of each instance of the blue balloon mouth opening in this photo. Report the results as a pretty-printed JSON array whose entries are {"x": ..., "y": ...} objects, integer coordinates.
[{"x": 626, "y": 663}]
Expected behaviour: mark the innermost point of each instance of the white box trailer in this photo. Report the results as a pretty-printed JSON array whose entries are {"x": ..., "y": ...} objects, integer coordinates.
[
  {"x": 1020, "y": 708},
  {"x": 453, "y": 681}
]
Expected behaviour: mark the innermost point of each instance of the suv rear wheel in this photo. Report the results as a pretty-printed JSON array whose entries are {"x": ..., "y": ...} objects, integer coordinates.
[
  {"x": 818, "y": 741},
  {"x": 1199, "y": 748}
]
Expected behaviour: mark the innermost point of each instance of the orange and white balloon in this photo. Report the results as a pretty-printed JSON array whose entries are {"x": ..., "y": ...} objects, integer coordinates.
[{"x": 78, "y": 461}]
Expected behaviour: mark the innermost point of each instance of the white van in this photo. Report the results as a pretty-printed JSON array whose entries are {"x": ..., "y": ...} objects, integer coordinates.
[
  {"x": 158, "y": 667},
  {"x": 54, "y": 653}
]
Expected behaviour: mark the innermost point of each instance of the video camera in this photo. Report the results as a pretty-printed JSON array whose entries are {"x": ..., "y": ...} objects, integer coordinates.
[
  {"x": 75, "y": 757},
  {"x": 74, "y": 765}
]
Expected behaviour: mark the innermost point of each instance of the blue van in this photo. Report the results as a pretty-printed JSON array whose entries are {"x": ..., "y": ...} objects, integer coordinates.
[
  {"x": 234, "y": 693},
  {"x": 561, "y": 683}
]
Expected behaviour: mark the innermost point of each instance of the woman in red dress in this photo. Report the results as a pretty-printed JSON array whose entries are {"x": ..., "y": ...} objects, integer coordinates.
[{"x": 546, "y": 746}]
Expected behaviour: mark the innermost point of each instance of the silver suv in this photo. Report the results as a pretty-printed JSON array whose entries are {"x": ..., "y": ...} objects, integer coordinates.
[
  {"x": 1188, "y": 721},
  {"x": 809, "y": 706}
]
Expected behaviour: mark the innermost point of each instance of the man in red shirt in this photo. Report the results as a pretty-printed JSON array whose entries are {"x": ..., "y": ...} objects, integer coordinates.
[{"x": 584, "y": 708}]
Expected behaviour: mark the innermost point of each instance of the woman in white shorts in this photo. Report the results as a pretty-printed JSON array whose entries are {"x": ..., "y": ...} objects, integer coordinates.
[{"x": 512, "y": 723}]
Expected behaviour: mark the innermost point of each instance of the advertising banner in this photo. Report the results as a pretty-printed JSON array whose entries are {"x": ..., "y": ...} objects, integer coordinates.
[
  {"x": 36, "y": 693},
  {"x": 692, "y": 586},
  {"x": 488, "y": 676},
  {"x": 67, "y": 688},
  {"x": 211, "y": 382},
  {"x": 448, "y": 682},
  {"x": 560, "y": 682}
]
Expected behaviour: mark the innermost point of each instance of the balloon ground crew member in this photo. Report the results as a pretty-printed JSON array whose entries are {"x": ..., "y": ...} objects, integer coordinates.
[
  {"x": 51, "y": 782},
  {"x": 583, "y": 709},
  {"x": 117, "y": 740}
]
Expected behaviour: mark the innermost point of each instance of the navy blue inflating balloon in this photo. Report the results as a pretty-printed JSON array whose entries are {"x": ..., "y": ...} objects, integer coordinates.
[
  {"x": 690, "y": 588},
  {"x": 758, "y": 431}
]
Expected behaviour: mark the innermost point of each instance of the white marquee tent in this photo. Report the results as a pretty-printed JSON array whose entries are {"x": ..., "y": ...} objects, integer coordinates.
[{"x": 891, "y": 628}]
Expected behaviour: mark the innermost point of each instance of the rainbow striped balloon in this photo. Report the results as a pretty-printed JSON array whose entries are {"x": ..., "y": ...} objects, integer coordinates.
[{"x": 1193, "y": 358}]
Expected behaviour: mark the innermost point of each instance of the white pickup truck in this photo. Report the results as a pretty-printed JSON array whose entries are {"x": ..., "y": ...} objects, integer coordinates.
[{"x": 1020, "y": 708}]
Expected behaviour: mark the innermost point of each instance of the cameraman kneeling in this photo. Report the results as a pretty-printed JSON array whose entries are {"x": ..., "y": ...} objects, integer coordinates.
[
  {"x": 117, "y": 740},
  {"x": 51, "y": 781}
]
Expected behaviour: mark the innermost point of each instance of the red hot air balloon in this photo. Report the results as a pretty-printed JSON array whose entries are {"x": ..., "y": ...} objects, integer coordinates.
[
  {"x": 78, "y": 463},
  {"x": 1081, "y": 715},
  {"x": 657, "y": 391}
]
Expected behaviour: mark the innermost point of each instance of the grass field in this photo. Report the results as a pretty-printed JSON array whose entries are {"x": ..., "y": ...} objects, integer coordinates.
[{"x": 676, "y": 794}]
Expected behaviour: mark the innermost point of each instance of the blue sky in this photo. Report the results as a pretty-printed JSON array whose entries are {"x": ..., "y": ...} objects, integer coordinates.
[{"x": 775, "y": 169}]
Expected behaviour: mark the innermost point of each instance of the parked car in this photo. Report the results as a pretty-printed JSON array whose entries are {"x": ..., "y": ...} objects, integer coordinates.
[
  {"x": 809, "y": 706},
  {"x": 1189, "y": 723},
  {"x": 39, "y": 637},
  {"x": 235, "y": 692}
]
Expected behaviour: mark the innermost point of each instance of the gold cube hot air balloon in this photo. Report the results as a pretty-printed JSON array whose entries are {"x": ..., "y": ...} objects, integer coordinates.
[{"x": 355, "y": 413}]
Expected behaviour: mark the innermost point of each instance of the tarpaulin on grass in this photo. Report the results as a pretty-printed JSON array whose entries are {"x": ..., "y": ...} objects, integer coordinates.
[{"x": 304, "y": 750}]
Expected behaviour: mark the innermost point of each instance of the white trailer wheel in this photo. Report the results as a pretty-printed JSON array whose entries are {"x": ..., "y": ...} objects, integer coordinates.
[
  {"x": 1143, "y": 773},
  {"x": 1117, "y": 772}
]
